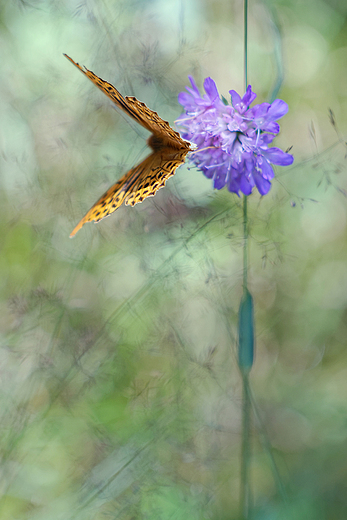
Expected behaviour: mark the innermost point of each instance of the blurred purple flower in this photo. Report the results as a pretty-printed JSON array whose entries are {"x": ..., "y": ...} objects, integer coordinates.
[{"x": 239, "y": 157}]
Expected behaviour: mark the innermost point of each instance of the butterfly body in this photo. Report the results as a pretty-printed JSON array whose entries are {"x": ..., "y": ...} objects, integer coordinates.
[{"x": 145, "y": 179}]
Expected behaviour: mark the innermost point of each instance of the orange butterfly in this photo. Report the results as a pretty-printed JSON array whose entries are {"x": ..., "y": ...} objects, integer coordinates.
[{"x": 145, "y": 179}]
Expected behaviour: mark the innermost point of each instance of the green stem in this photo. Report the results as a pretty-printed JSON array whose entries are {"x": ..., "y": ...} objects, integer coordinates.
[
  {"x": 245, "y": 363},
  {"x": 246, "y": 339},
  {"x": 245, "y": 24},
  {"x": 245, "y": 491},
  {"x": 245, "y": 244}
]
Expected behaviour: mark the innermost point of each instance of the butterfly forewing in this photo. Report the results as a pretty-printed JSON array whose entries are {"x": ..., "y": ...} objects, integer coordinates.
[
  {"x": 136, "y": 109},
  {"x": 145, "y": 179},
  {"x": 156, "y": 125}
]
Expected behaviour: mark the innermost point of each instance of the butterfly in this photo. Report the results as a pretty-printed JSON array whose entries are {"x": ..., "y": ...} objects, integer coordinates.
[{"x": 169, "y": 151}]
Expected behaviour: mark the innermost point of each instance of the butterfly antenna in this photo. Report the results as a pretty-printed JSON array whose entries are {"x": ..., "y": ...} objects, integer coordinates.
[
  {"x": 182, "y": 119},
  {"x": 202, "y": 149}
]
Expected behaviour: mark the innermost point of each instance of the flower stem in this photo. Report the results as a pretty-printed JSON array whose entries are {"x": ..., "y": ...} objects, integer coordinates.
[
  {"x": 245, "y": 491},
  {"x": 246, "y": 339},
  {"x": 245, "y": 359},
  {"x": 245, "y": 24},
  {"x": 245, "y": 244}
]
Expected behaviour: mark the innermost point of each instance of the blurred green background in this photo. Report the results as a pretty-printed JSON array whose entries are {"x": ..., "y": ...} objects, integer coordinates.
[{"x": 120, "y": 392}]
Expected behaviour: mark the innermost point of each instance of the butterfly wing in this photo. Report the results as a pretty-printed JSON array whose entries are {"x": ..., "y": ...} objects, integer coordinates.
[
  {"x": 142, "y": 181},
  {"x": 137, "y": 110}
]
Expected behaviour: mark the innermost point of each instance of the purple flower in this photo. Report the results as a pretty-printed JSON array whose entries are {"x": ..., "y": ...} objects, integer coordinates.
[{"x": 235, "y": 137}]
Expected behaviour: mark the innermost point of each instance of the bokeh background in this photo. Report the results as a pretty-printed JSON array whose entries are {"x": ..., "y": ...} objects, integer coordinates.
[{"x": 120, "y": 395}]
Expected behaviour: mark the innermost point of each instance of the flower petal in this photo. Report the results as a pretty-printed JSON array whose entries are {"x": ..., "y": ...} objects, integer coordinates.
[
  {"x": 266, "y": 169},
  {"x": 186, "y": 100},
  {"x": 263, "y": 185},
  {"x": 249, "y": 97},
  {"x": 211, "y": 89},
  {"x": 246, "y": 185},
  {"x": 272, "y": 127},
  {"x": 242, "y": 104},
  {"x": 276, "y": 156},
  {"x": 277, "y": 110},
  {"x": 193, "y": 84},
  {"x": 219, "y": 178},
  {"x": 235, "y": 98}
]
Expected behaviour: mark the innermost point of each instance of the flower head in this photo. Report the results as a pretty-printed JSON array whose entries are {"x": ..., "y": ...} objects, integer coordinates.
[{"x": 235, "y": 137}]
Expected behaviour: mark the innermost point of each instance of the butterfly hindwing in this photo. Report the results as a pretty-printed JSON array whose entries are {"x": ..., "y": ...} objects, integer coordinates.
[
  {"x": 163, "y": 166},
  {"x": 142, "y": 181}
]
